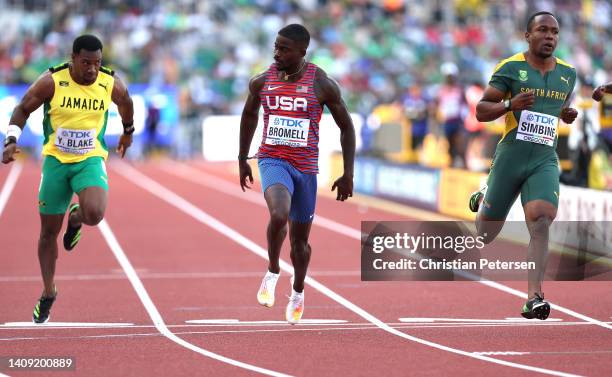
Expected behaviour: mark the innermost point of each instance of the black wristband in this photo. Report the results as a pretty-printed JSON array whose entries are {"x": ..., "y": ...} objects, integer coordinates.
[
  {"x": 128, "y": 130},
  {"x": 242, "y": 158},
  {"x": 10, "y": 140}
]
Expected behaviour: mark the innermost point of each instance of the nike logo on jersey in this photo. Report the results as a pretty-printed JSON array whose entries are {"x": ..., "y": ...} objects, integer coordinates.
[
  {"x": 566, "y": 80},
  {"x": 274, "y": 87}
]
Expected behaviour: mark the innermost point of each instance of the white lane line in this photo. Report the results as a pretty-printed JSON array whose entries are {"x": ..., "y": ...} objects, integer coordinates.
[
  {"x": 475, "y": 320},
  {"x": 503, "y": 353},
  {"x": 198, "y": 176},
  {"x": 66, "y": 324},
  {"x": 236, "y": 322},
  {"x": 9, "y": 184},
  {"x": 286, "y": 328},
  {"x": 167, "y": 275},
  {"x": 183, "y": 205},
  {"x": 365, "y": 325},
  {"x": 154, "y": 313},
  {"x": 233, "y": 189}
]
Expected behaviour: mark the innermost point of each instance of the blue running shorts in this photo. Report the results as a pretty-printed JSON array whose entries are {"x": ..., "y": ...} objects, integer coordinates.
[{"x": 302, "y": 187}]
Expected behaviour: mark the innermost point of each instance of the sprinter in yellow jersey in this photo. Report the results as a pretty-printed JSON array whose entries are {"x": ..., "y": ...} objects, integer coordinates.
[{"x": 76, "y": 97}]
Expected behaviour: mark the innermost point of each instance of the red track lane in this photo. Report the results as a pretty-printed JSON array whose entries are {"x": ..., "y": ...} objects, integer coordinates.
[
  {"x": 351, "y": 214},
  {"x": 160, "y": 239},
  {"x": 235, "y": 298},
  {"x": 80, "y": 301},
  {"x": 132, "y": 227},
  {"x": 435, "y": 301}
]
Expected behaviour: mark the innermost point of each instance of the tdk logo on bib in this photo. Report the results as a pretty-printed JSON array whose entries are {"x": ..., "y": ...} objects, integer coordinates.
[
  {"x": 77, "y": 134},
  {"x": 541, "y": 118},
  {"x": 289, "y": 122},
  {"x": 288, "y": 131},
  {"x": 537, "y": 128},
  {"x": 287, "y": 103}
]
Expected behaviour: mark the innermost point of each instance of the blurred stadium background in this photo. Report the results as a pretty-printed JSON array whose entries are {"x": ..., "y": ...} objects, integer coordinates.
[{"x": 411, "y": 74}]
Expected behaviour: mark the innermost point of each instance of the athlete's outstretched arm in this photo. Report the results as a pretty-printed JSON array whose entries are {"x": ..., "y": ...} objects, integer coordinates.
[
  {"x": 248, "y": 125},
  {"x": 122, "y": 99},
  {"x": 40, "y": 91},
  {"x": 332, "y": 98},
  {"x": 599, "y": 92},
  {"x": 491, "y": 106}
]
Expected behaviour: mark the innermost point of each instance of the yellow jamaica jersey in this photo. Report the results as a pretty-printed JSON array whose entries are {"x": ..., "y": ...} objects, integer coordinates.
[{"x": 75, "y": 118}]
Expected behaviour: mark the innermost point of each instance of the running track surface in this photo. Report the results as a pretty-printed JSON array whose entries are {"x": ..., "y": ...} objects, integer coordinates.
[{"x": 166, "y": 286}]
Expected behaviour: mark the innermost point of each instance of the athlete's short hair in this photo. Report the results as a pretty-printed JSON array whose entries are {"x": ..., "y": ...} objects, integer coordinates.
[
  {"x": 531, "y": 19},
  {"x": 86, "y": 42},
  {"x": 296, "y": 33}
]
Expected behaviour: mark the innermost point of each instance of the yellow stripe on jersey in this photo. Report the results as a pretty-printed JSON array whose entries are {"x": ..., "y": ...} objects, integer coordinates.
[
  {"x": 514, "y": 58},
  {"x": 511, "y": 123},
  {"x": 75, "y": 118},
  {"x": 559, "y": 61}
]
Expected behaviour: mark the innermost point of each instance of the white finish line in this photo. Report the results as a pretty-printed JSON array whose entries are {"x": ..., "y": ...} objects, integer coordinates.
[
  {"x": 233, "y": 322},
  {"x": 66, "y": 324},
  {"x": 474, "y": 320}
]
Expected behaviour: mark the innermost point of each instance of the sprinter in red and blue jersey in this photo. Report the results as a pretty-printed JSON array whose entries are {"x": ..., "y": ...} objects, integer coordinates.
[{"x": 292, "y": 93}]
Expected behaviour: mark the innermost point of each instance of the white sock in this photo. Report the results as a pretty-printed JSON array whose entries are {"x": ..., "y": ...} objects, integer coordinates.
[{"x": 272, "y": 274}]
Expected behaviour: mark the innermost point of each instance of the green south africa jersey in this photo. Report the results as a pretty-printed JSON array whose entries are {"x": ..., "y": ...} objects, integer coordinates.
[
  {"x": 537, "y": 125},
  {"x": 525, "y": 159}
]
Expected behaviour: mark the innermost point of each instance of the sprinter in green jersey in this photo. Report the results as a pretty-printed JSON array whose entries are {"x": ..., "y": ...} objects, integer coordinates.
[
  {"x": 601, "y": 90},
  {"x": 532, "y": 89}
]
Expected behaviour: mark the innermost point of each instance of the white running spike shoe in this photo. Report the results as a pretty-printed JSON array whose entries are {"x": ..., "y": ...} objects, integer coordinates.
[
  {"x": 295, "y": 307},
  {"x": 265, "y": 295}
]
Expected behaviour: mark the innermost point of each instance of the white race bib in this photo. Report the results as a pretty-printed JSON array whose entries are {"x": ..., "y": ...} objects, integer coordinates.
[
  {"x": 287, "y": 131},
  {"x": 537, "y": 128},
  {"x": 75, "y": 141}
]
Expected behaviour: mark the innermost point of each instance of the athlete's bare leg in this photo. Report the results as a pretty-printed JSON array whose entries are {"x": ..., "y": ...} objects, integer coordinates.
[
  {"x": 50, "y": 227},
  {"x": 300, "y": 252},
  {"x": 279, "y": 202},
  {"x": 539, "y": 214},
  {"x": 487, "y": 227}
]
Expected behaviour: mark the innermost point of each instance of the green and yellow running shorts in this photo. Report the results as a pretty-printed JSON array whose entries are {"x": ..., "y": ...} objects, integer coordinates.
[
  {"x": 59, "y": 181},
  {"x": 525, "y": 168}
]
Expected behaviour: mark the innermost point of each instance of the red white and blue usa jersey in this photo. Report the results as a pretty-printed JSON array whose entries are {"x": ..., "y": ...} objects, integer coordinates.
[{"x": 291, "y": 120}]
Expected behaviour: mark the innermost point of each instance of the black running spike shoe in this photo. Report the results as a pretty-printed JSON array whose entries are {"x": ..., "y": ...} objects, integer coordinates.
[
  {"x": 72, "y": 234},
  {"x": 42, "y": 310},
  {"x": 536, "y": 308},
  {"x": 476, "y": 198}
]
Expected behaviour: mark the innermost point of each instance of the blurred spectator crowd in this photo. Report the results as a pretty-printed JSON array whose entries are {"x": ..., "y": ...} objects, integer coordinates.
[
  {"x": 375, "y": 49},
  {"x": 430, "y": 57}
]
